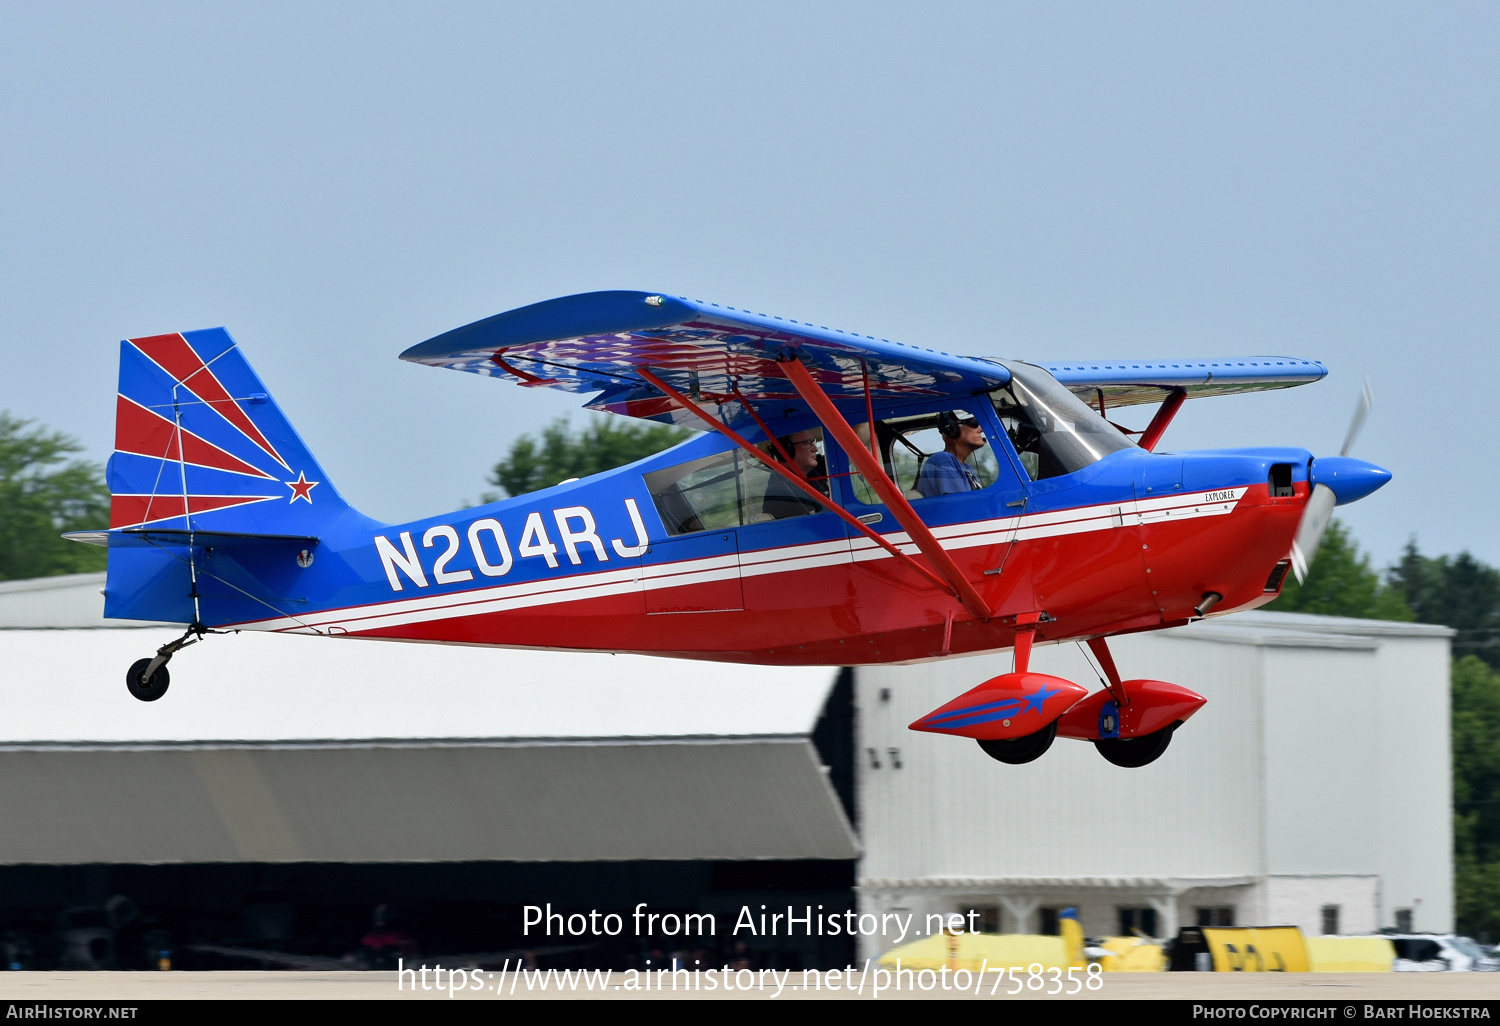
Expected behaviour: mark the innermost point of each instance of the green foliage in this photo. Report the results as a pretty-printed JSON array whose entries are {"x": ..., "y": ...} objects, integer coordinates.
[
  {"x": 1476, "y": 897},
  {"x": 1463, "y": 593},
  {"x": 1476, "y": 755},
  {"x": 1457, "y": 591},
  {"x": 1476, "y": 794},
  {"x": 1342, "y": 583},
  {"x": 42, "y": 494},
  {"x": 562, "y": 453}
]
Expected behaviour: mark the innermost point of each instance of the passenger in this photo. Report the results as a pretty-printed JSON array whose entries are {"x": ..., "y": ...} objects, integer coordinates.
[
  {"x": 946, "y": 472},
  {"x": 784, "y": 499}
]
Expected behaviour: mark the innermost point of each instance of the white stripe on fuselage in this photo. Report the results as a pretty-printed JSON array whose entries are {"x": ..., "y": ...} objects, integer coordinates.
[{"x": 785, "y": 559}]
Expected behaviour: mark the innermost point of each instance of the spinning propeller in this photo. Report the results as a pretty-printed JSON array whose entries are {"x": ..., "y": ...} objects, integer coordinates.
[{"x": 1335, "y": 481}]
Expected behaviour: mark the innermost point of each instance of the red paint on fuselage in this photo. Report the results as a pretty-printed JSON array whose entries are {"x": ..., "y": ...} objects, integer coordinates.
[{"x": 852, "y": 613}]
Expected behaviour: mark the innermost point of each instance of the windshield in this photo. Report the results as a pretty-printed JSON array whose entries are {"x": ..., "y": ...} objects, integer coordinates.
[{"x": 1053, "y": 431}]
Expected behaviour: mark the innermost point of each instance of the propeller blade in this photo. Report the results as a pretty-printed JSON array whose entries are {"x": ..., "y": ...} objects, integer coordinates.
[
  {"x": 1361, "y": 411},
  {"x": 1319, "y": 510},
  {"x": 1315, "y": 520}
]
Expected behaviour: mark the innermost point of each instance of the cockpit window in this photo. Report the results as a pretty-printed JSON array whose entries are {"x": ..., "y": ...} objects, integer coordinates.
[
  {"x": 1053, "y": 431},
  {"x": 906, "y": 446},
  {"x": 731, "y": 489}
]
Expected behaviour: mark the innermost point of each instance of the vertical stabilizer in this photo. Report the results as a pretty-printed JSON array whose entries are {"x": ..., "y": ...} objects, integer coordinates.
[
  {"x": 197, "y": 436},
  {"x": 207, "y": 473}
]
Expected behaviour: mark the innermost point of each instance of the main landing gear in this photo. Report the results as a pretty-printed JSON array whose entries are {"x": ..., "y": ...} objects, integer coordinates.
[
  {"x": 1021, "y": 750},
  {"x": 1136, "y": 751},
  {"x": 1129, "y": 753},
  {"x": 1016, "y": 716},
  {"x": 148, "y": 679}
]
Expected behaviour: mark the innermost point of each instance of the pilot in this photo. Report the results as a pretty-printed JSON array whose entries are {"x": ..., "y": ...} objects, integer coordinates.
[
  {"x": 782, "y": 498},
  {"x": 946, "y": 472}
]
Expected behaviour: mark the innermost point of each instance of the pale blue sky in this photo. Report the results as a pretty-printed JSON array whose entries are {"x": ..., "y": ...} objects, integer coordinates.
[{"x": 335, "y": 182}]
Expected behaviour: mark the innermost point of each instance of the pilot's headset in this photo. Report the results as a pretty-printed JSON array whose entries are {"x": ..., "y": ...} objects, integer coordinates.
[{"x": 950, "y": 423}]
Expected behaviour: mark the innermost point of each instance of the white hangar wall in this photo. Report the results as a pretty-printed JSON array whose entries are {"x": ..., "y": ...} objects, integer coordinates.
[
  {"x": 286, "y": 748},
  {"x": 1318, "y": 774}
]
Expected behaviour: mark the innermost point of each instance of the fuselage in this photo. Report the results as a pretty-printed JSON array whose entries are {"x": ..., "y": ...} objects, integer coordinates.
[{"x": 1131, "y": 542}]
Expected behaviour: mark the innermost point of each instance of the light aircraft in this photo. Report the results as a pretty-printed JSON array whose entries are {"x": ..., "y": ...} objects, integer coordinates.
[{"x": 731, "y": 546}]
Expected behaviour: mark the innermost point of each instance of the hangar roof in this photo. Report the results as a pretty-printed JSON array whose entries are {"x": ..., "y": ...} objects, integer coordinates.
[
  {"x": 764, "y": 798},
  {"x": 286, "y": 748},
  {"x": 1303, "y": 630}
]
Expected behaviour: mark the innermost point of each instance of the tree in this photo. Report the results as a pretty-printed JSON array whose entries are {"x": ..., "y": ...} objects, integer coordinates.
[
  {"x": 1342, "y": 583},
  {"x": 563, "y": 454},
  {"x": 1463, "y": 593},
  {"x": 1476, "y": 795},
  {"x": 1456, "y": 591},
  {"x": 42, "y": 494}
]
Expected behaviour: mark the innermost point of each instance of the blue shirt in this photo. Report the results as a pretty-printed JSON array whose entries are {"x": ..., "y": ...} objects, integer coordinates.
[{"x": 944, "y": 473}]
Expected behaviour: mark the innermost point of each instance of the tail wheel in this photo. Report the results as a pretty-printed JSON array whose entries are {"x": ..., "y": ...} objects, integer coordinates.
[
  {"x": 1022, "y": 749},
  {"x": 146, "y": 690},
  {"x": 1135, "y": 752}
]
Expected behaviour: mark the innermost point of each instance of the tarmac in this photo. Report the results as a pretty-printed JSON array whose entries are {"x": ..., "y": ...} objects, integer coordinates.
[{"x": 1346, "y": 989}]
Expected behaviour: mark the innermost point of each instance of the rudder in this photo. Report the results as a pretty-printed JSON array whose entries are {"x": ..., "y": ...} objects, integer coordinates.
[{"x": 204, "y": 456}]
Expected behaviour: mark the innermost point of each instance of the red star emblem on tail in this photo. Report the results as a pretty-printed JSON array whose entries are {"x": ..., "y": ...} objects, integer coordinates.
[{"x": 302, "y": 488}]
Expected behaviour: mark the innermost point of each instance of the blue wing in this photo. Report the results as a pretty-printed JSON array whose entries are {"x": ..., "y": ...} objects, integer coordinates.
[
  {"x": 1130, "y": 382},
  {"x": 598, "y": 342}
]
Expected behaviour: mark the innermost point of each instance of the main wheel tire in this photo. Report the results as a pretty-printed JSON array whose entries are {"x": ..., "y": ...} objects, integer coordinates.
[
  {"x": 1018, "y": 751},
  {"x": 1134, "y": 752},
  {"x": 151, "y": 690}
]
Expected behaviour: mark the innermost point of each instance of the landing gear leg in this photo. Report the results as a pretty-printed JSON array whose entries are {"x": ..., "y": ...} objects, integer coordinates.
[
  {"x": 1021, "y": 750},
  {"x": 147, "y": 679},
  {"x": 1130, "y": 753}
]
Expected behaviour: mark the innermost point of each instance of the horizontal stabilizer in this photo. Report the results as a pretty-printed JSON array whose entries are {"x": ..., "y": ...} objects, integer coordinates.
[{"x": 146, "y": 536}]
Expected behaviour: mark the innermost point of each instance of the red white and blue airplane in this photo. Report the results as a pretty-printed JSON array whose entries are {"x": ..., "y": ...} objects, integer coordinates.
[{"x": 734, "y": 545}]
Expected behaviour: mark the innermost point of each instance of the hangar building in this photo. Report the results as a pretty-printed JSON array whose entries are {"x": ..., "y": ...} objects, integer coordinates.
[
  {"x": 287, "y": 786},
  {"x": 1313, "y": 789}
]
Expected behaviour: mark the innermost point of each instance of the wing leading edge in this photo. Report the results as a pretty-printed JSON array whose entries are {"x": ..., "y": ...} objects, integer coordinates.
[
  {"x": 598, "y": 342},
  {"x": 1131, "y": 382}
]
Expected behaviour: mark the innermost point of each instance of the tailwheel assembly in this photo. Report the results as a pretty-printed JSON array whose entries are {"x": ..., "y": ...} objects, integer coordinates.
[
  {"x": 147, "y": 679},
  {"x": 147, "y": 687}
]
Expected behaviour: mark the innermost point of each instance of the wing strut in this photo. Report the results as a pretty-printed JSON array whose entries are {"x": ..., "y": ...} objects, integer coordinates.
[
  {"x": 1100, "y": 648},
  {"x": 875, "y": 474},
  {"x": 1164, "y": 414},
  {"x": 800, "y": 482},
  {"x": 786, "y": 457}
]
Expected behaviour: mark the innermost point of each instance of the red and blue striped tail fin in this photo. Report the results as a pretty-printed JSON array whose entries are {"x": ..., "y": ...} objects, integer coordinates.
[
  {"x": 200, "y": 443},
  {"x": 209, "y": 483}
]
